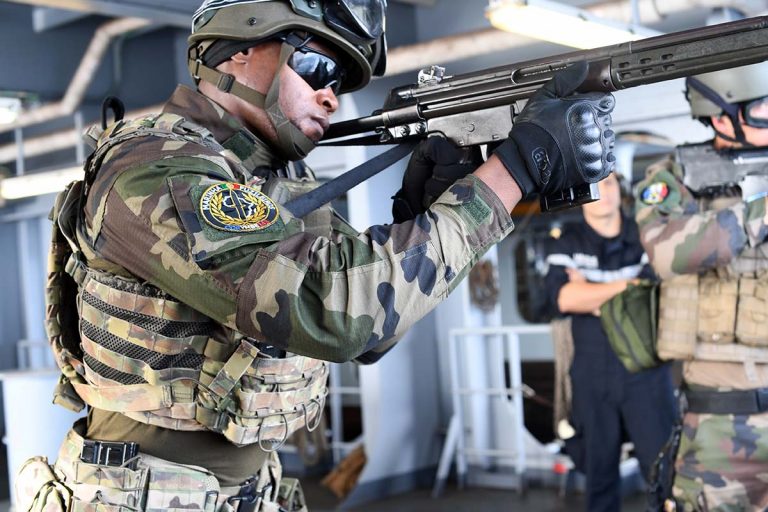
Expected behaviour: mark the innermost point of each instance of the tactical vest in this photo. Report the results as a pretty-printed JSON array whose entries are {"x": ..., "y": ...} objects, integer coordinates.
[
  {"x": 131, "y": 348},
  {"x": 720, "y": 315}
]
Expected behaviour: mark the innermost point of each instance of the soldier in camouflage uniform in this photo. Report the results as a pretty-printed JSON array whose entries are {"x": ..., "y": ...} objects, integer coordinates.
[
  {"x": 710, "y": 246},
  {"x": 194, "y": 314}
]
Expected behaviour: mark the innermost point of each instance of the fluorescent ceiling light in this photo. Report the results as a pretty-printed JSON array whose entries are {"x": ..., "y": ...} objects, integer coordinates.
[
  {"x": 561, "y": 24},
  {"x": 10, "y": 108},
  {"x": 38, "y": 184}
]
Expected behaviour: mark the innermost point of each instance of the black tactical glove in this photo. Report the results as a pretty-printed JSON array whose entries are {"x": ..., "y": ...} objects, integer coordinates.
[
  {"x": 434, "y": 166},
  {"x": 560, "y": 139}
]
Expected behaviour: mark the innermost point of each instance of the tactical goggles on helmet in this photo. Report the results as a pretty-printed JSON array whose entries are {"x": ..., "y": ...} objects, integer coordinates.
[
  {"x": 358, "y": 21},
  {"x": 319, "y": 70},
  {"x": 755, "y": 112}
]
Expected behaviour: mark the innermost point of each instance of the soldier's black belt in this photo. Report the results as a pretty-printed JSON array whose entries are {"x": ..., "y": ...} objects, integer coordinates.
[
  {"x": 752, "y": 401},
  {"x": 110, "y": 453}
]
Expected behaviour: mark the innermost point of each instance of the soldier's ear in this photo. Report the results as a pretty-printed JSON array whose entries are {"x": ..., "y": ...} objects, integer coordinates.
[
  {"x": 242, "y": 57},
  {"x": 721, "y": 124}
]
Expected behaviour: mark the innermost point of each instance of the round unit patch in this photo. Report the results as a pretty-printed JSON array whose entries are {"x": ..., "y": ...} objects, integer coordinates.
[
  {"x": 655, "y": 193},
  {"x": 237, "y": 208}
]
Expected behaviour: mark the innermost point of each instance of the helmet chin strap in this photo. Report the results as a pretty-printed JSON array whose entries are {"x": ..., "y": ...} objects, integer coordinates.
[
  {"x": 740, "y": 137},
  {"x": 292, "y": 144}
]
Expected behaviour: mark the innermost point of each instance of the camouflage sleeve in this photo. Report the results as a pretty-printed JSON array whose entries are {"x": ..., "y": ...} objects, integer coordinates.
[
  {"x": 331, "y": 299},
  {"x": 681, "y": 239}
]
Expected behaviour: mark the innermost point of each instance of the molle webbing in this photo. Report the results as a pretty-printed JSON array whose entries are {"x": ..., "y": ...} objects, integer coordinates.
[
  {"x": 752, "y": 314},
  {"x": 160, "y": 362},
  {"x": 678, "y": 317},
  {"x": 714, "y": 318}
]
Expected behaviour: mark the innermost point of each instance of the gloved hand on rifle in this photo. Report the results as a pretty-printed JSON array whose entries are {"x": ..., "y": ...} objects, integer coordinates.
[
  {"x": 434, "y": 166},
  {"x": 560, "y": 139}
]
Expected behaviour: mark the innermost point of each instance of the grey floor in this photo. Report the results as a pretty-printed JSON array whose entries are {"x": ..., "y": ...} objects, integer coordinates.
[{"x": 468, "y": 500}]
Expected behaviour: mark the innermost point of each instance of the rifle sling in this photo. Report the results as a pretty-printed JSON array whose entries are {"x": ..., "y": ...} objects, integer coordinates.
[{"x": 329, "y": 191}]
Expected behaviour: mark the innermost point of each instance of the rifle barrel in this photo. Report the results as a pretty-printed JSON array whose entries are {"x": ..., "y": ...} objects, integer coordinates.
[{"x": 611, "y": 68}]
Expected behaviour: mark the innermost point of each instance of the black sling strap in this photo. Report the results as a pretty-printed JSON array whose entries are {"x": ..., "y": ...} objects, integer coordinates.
[{"x": 327, "y": 192}]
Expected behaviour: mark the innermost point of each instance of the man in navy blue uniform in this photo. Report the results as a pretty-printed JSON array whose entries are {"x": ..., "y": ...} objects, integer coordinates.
[{"x": 590, "y": 263}]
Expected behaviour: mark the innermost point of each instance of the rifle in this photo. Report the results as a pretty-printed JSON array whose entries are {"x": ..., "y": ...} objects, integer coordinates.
[
  {"x": 715, "y": 173},
  {"x": 480, "y": 107}
]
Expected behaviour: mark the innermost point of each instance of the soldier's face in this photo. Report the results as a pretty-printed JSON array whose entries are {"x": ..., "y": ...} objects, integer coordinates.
[
  {"x": 755, "y": 136},
  {"x": 610, "y": 198},
  {"x": 307, "y": 109}
]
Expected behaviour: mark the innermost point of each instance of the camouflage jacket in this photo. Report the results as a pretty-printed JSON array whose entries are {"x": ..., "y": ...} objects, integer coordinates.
[
  {"x": 682, "y": 235},
  {"x": 336, "y": 295}
]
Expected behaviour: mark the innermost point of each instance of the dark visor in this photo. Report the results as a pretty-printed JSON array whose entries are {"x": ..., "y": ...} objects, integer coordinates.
[{"x": 359, "y": 21}]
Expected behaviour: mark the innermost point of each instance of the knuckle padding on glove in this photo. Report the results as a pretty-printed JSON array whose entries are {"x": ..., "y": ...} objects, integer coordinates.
[
  {"x": 560, "y": 155},
  {"x": 560, "y": 139},
  {"x": 586, "y": 139}
]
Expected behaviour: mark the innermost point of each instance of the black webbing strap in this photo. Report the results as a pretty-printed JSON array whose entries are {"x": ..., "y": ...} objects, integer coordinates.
[
  {"x": 751, "y": 401},
  {"x": 327, "y": 192}
]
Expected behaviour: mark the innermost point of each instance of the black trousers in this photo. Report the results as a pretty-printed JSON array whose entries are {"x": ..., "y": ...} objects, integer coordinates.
[{"x": 611, "y": 405}]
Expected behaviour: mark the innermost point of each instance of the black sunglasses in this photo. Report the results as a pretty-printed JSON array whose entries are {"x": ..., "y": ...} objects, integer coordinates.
[{"x": 317, "y": 69}]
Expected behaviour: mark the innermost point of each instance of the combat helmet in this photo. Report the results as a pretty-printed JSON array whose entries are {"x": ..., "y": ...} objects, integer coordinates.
[
  {"x": 353, "y": 29},
  {"x": 730, "y": 92}
]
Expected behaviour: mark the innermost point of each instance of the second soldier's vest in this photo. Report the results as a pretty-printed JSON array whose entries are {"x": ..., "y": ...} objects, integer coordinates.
[
  {"x": 140, "y": 352},
  {"x": 721, "y": 315}
]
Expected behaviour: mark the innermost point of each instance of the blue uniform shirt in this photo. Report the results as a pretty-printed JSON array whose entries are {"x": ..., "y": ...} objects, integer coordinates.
[{"x": 600, "y": 260}]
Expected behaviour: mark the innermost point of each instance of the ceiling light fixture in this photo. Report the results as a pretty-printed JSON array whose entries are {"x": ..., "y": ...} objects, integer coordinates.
[{"x": 561, "y": 24}]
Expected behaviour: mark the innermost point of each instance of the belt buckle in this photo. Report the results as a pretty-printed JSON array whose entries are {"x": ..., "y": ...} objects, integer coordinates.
[
  {"x": 110, "y": 453},
  {"x": 761, "y": 396},
  {"x": 198, "y": 63},
  {"x": 225, "y": 83}
]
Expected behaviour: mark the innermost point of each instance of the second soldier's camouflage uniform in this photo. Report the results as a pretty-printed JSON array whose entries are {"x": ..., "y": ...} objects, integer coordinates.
[{"x": 713, "y": 257}]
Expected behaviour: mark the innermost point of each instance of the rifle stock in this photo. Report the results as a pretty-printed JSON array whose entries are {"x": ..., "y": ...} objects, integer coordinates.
[{"x": 480, "y": 107}]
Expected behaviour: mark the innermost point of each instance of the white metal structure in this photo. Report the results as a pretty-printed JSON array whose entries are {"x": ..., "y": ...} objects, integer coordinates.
[
  {"x": 336, "y": 393},
  {"x": 504, "y": 348}
]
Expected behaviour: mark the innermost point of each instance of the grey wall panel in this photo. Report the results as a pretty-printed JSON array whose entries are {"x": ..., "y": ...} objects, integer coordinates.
[
  {"x": 148, "y": 70},
  {"x": 42, "y": 63}
]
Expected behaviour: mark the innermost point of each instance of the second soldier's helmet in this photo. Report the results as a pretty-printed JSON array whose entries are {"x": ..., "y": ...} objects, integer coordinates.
[
  {"x": 742, "y": 90},
  {"x": 353, "y": 28}
]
